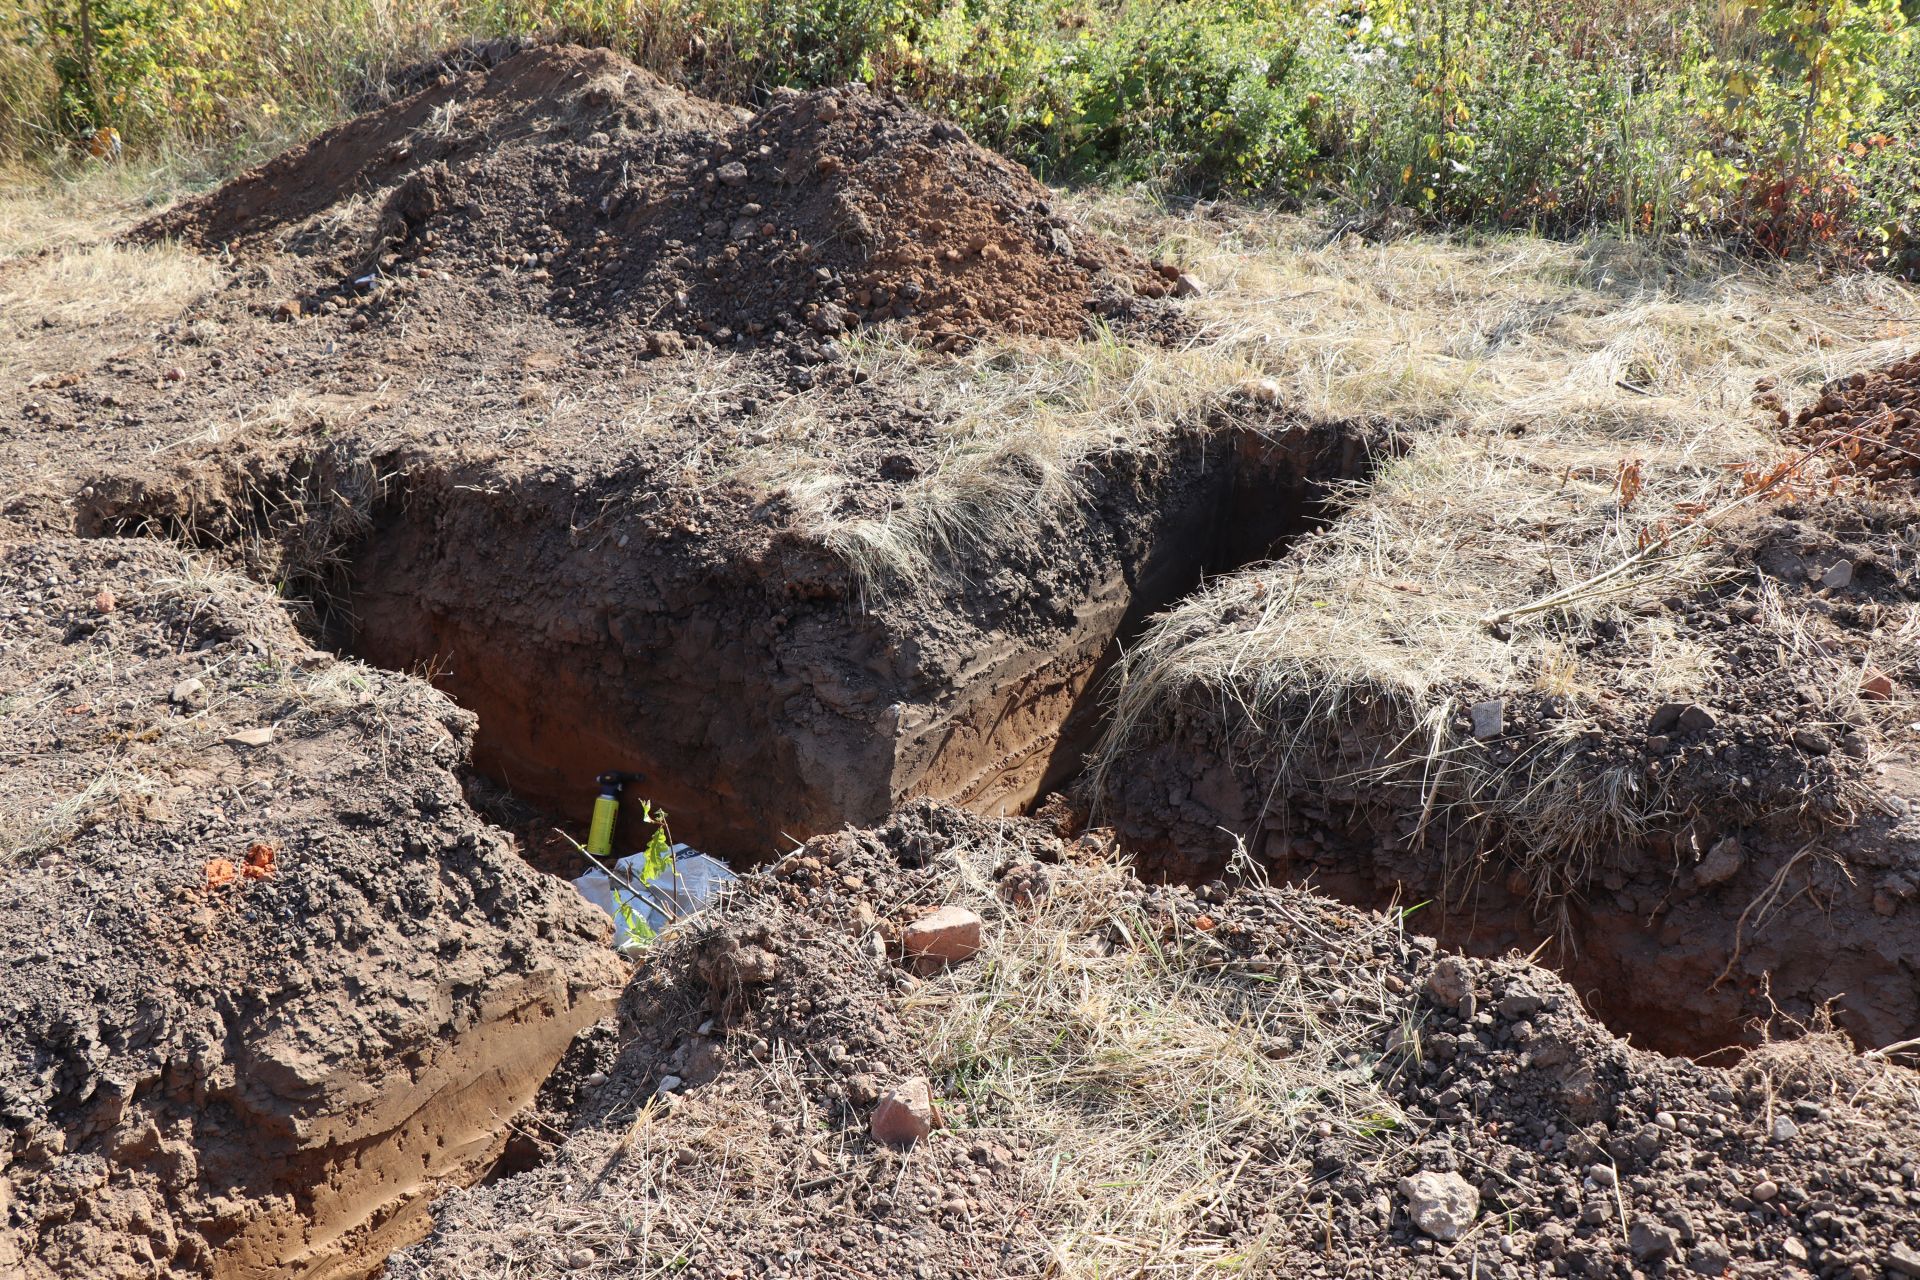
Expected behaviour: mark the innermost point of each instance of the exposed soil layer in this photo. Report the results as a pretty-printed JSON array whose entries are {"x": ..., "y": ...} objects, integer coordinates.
[
  {"x": 607, "y": 194},
  {"x": 725, "y": 1130},
  {"x": 1789, "y": 872},
  {"x": 270, "y": 982},
  {"x": 755, "y": 695}
]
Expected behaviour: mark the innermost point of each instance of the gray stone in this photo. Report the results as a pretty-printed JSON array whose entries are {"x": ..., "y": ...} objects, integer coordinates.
[
  {"x": 1902, "y": 1261},
  {"x": 1696, "y": 719},
  {"x": 1650, "y": 1241},
  {"x": 1812, "y": 741},
  {"x": 1837, "y": 576},
  {"x": 1443, "y": 1205},
  {"x": 732, "y": 173},
  {"x": 1722, "y": 862},
  {"x": 1489, "y": 718},
  {"x": 1709, "y": 1258}
]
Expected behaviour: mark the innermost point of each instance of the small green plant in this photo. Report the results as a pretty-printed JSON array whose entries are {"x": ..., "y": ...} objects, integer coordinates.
[{"x": 657, "y": 862}]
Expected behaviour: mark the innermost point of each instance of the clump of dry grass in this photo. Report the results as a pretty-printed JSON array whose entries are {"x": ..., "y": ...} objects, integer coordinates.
[
  {"x": 61, "y": 309},
  {"x": 1151, "y": 1068},
  {"x": 35, "y": 825}
]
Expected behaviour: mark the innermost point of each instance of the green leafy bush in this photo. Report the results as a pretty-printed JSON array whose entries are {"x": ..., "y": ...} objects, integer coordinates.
[{"x": 1781, "y": 126}]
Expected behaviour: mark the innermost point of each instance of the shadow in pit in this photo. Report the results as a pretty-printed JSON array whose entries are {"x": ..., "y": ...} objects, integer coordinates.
[{"x": 1277, "y": 488}]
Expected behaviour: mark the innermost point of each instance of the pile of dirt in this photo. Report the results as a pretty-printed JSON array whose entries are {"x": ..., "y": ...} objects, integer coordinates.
[
  {"x": 1867, "y": 424},
  {"x": 725, "y": 1127},
  {"x": 270, "y": 983},
  {"x": 569, "y": 179}
]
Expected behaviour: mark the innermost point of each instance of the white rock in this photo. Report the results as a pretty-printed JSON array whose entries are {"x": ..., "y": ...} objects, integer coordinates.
[{"x": 1443, "y": 1205}]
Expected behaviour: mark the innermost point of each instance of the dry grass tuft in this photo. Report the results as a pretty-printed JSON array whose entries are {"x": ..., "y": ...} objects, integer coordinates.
[
  {"x": 1152, "y": 1070},
  {"x": 66, "y": 308}
]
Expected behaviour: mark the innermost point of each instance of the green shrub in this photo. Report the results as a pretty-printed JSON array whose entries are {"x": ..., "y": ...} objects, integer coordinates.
[{"x": 1781, "y": 126}]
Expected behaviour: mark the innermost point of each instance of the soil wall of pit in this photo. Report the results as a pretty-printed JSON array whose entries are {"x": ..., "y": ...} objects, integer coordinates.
[
  {"x": 761, "y": 700},
  {"x": 1686, "y": 953}
]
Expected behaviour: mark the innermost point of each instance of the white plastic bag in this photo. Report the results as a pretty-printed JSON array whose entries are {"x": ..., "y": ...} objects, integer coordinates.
[{"x": 683, "y": 888}]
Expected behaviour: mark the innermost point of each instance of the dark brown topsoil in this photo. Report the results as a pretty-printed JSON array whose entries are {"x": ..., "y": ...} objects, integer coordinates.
[
  {"x": 604, "y": 194},
  {"x": 1867, "y": 425},
  {"x": 780, "y": 1016}
]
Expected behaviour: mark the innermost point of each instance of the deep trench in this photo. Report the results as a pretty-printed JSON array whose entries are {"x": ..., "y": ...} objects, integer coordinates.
[
  {"x": 542, "y": 740},
  {"x": 695, "y": 689},
  {"x": 562, "y": 693}
]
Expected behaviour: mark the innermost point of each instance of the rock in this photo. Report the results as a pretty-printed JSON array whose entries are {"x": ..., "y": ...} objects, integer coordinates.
[
  {"x": 288, "y": 310},
  {"x": 1519, "y": 1003},
  {"x": 1765, "y": 1190},
  {"x": 1709, "y": 1258},
  {"x": 1902, "y": 1261},
  {"x": 190, "y": 692},
  {"x": 1876, "y": 685},
  {"x": 1722, "y": 862},
  {"x": 1185, "y": 286},
  {"x": 1840, "y": 574},
  {"x": 1489, "y": 718},
  {"x": 1449, "y": 984},
  {"x": 1812, "y": 741},
  {"x": 1443, "y": 1205},
  {"x": 1062, "y": 242},
  {"x": 949, "y": 935},
  {"x": 1696, "y": 719},
  {"x": 259, "y": 737},
  {"x": 1793, "y": 1249},
  {"x": 1784, "y": 1130},
  {"x": 1651, "y": 1241},
  {"x": 1603, "y": 1175},
  {"x": 906, "y": 1113},
  {"x": 830, "y": 318},
  {"x": 732, "y": 174},
  {"x": 668, "y": 1084}
]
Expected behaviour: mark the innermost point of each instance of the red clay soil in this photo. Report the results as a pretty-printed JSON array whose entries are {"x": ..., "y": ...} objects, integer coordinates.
[
  {"x": 723, "y": 1127},
  {"x": 1867, "y": 425},
  {"x": 611, "y": 195}
]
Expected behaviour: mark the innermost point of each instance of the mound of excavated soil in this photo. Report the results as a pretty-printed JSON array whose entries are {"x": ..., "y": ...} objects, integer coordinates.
[
  {"x": 582, "y": 184},
  {"x": 1868, "y": 424},
  {"x": 269, "y": 982},
  {"x": 726, "y": 1130}
]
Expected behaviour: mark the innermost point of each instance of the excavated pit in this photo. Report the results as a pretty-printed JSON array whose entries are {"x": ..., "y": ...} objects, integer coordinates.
[
  {"x": 765, "y": 705},
  {"x": 594, "y": 600},
  {"x": 761, "y": 700}
]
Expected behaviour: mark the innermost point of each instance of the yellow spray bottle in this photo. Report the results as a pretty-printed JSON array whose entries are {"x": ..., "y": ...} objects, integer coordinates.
[{"x": 606, "y": 809}]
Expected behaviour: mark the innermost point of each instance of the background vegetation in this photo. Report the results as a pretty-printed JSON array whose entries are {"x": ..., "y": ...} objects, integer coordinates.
[{"x": 1781, "y": 126}]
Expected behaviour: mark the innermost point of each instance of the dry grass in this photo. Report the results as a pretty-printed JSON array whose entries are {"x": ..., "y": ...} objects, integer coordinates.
[
  {"x": 1169, "y": 1088},
  {"x": 1615, "y": 349},
  {"x": 68, "y": 295}
]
